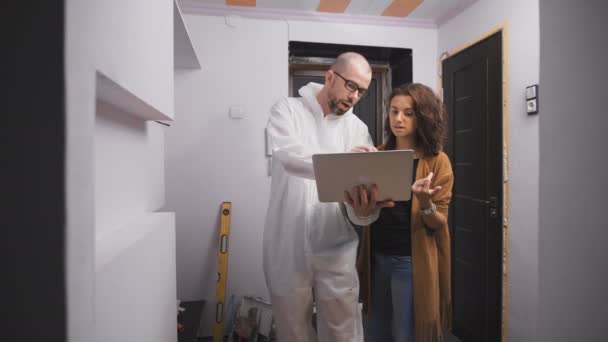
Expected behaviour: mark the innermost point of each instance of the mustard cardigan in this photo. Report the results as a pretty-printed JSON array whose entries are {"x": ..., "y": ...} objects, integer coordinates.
[{"x": 431, "y": 260}]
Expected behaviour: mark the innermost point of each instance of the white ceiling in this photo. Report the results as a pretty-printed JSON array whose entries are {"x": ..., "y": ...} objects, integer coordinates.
[{"x": 431, "y": 11}]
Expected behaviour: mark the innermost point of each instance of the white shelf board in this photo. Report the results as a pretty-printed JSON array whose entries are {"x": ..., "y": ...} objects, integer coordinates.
[
  {"x": 112, "y": 244},
  {"x": 183, "y": 51},
  {"x": 109, "y": 91},
  {"x": 135, "y": 292}
]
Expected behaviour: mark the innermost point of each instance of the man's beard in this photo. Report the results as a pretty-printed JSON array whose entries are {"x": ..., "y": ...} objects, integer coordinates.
[{"x": 333, "y": 106}]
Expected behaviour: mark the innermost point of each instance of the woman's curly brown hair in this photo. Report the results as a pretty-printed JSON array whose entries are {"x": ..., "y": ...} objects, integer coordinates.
[{"x": 430, "y": 114}]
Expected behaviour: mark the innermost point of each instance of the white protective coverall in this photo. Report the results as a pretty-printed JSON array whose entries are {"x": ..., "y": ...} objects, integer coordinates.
[{"x": 308, "y": 243}]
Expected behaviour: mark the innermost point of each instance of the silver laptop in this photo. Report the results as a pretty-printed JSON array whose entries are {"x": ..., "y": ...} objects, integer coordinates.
[{"x": 390, "y": 170}]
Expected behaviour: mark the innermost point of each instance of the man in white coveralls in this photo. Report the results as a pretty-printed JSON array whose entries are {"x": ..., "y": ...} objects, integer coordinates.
[{"x": 307, "y": 244}]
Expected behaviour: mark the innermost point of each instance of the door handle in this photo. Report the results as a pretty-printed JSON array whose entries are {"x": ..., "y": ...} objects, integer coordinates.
[
  {"x": 493, "y": 202},
  {"x": 493, "y": 213}
]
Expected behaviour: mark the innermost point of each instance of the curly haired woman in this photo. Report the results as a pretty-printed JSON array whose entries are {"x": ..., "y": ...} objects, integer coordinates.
[{"x": 405, "y": 252}]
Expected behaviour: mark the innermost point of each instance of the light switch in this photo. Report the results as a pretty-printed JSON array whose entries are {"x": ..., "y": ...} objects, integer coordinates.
[
  {"x": 532, "y": 99},
  {"x": 531, "y": 91},
  {"x": 236, "y": 112}
]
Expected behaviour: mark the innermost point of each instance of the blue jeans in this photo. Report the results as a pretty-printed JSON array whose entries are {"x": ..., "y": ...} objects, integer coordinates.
[{"x": 392, "y": 303}]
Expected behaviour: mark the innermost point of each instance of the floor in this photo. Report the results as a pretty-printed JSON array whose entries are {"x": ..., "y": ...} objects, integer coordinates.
[{"x": 450, "y": 338}]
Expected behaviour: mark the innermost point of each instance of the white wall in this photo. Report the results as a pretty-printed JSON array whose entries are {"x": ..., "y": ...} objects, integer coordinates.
[
  {"x": 211, "y": 158},
  {"x": 131, "y": 42},
  {"x": 120, "y": 167},
  {"x": 521, "y": 17},
  {"x": 135, "y": 282},
  {"x": 573, "y": 304}
]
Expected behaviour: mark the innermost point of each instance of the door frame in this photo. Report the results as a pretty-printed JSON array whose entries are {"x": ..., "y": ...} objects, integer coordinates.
[{"x": 503, "y": 28}]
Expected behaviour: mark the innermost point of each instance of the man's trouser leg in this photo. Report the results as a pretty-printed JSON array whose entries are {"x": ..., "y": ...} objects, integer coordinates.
[
  {"x": 336, "y": 298},
  {"x": 293, "y": 316}
]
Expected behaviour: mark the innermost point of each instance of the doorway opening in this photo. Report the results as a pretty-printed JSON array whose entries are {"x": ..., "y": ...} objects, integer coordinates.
[{"x": 308, "y": 62}]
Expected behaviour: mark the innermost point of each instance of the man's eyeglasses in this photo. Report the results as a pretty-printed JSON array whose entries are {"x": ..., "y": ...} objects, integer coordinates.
[{"x": 352, "y": 86}]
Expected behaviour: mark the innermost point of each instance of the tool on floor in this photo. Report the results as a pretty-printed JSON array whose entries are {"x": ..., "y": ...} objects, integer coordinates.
[
  {"x": 253, "y": 321},
  {"x": 222, "y": 272}
]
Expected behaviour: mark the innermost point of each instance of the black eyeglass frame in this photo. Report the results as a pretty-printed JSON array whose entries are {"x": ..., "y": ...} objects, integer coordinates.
[{"x": 352, "y": 86}]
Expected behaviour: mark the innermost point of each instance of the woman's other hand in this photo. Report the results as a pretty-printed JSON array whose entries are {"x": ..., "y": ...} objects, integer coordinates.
[{"x": 422, "y": 190}]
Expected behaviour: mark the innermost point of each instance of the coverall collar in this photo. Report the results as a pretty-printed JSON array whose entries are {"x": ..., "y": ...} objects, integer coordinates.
[{"x": 309, "y": 93}]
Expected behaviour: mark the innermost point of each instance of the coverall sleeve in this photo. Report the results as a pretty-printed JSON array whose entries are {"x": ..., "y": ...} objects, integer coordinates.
[
  {"x": 287, "y": 147},
  {"x": 362, "y": 137},
  {"x": 361, "y": 221}
]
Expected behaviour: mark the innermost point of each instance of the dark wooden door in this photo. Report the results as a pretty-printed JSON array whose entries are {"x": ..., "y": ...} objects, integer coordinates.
[{"x": 472, "y": 87}]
